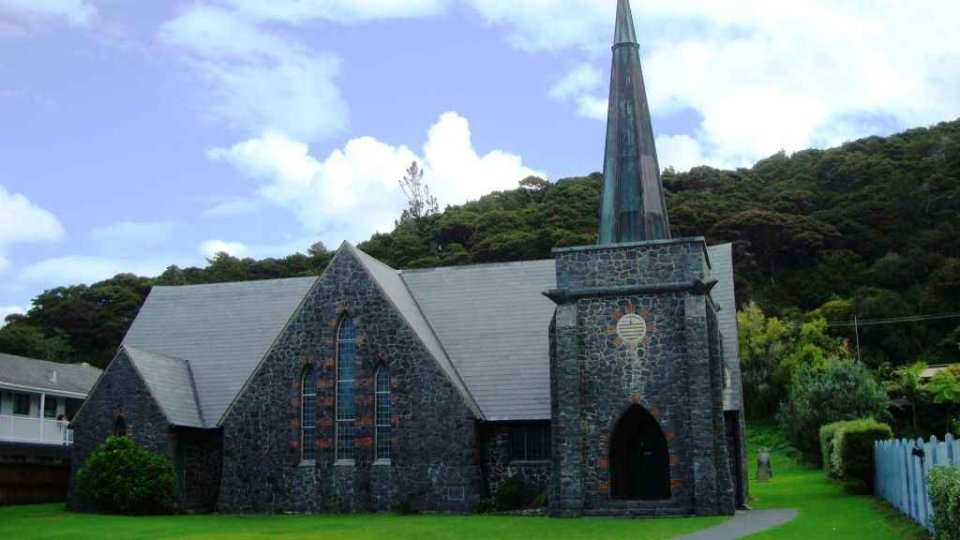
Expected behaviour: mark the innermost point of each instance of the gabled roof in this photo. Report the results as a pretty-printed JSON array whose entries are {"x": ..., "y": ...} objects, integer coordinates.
[
  {"x": 171, "y": 384},
  {"x": 397, "y": 292},
  {"x": 493, "y": 320},
  {"x": 486, "y": 326},
  {"x": 52, "y": 377},
  {"x": 223, "y": 330}
]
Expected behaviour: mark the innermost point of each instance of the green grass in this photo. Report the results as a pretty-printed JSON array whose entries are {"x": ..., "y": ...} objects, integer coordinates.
[
  {"x": 826, "y": 510},
  {"x": 51, "y": 521}
]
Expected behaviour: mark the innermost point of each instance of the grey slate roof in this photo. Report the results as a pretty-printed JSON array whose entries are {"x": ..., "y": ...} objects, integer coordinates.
[
  {"x": 47, "y": 376},
  {"x": 487, "y": 327},
  {"x": 223, "y": 330},
  {"x": 394, "y": 287},
  {"x": 724, "y": 296},
  {"x": 493, "y": 321},
  {"x": 171, "y": 384}
]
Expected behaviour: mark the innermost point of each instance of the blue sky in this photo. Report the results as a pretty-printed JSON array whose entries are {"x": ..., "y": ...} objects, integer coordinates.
[{"x": 136, "y": 134}]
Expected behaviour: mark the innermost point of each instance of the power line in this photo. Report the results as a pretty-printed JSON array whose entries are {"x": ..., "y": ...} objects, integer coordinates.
[{"x": 857, "y": 322}]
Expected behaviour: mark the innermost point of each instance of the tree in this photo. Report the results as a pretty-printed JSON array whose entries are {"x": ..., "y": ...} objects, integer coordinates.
[
  {"x": 764, "y": 341},
  {"x": 839, "y": 390},
  {"x": 419, "y": 201}
]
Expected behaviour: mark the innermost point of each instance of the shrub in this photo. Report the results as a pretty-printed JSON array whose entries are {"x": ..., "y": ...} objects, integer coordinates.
[
  {"x": 509, "y": 495},
  {"x": 827, "y": 434},
  {"x": 125, "y": 478},
  {"x": 485, "y": 506},
  {"x": 839, "y": 390},
  {"x": 945, "y": 498},
  {"x": 542, "y": 500},
  {"x": 850, "y": 454},
  {"x": 404, "y": 507}
]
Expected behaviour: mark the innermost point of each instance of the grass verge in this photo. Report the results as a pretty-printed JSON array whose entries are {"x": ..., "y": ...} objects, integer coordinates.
[{"x": 825, "y": 509}]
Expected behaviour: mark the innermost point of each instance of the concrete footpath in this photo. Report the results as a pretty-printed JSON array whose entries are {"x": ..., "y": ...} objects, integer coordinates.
[{"x": 744, "y": 524}]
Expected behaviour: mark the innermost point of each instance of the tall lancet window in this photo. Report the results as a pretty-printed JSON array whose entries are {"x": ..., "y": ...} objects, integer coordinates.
[
  {"x": 346, "y": 369},
  {"x": 382, "y": 392},
  {"x": 308, "y": 415}
]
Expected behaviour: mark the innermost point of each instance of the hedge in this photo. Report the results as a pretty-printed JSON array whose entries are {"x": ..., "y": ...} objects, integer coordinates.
[
  {"x": 124, "y": 478},
  {"x": 944, "y": 485},
  {"x": 848, "y": 449}
]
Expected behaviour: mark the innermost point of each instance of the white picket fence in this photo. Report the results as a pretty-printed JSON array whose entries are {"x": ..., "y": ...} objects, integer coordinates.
[{"x": 902, "y": 471}]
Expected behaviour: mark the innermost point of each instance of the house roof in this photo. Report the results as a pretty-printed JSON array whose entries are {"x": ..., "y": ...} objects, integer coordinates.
[
  {"x": 171, "y": 383},
  {"x": 222, "y": 330},
  {"x": 486, "y": 326},
  {"x": 51, "y": 377},
  {"x": 493, "y": 320}
]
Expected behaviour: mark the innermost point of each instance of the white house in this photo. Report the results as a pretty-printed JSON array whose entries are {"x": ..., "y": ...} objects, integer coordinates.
[{"x": 39, "y": 398}]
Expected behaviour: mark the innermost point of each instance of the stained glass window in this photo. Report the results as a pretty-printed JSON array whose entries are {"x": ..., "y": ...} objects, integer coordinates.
[
  {"x": 308, "y": 415},
  {"x": 346, "y": 368},
  {"x": 382, "y": 391}
]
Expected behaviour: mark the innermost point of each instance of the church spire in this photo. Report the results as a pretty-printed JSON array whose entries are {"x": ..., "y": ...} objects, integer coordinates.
[{"x": 633, "y": 208}]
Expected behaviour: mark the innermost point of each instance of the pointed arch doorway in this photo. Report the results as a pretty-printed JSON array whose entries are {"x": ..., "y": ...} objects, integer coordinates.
[{"x": 639, "y": 458}]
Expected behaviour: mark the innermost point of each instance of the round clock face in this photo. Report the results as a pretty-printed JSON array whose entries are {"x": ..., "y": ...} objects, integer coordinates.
[{"x": 632, "y": 329}]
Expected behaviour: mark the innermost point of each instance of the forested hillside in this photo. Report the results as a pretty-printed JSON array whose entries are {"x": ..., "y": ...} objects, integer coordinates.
[{"x": 870, "y": 228}]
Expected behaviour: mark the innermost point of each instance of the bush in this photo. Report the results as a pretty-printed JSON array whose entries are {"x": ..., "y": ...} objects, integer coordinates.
[
  {"x": 542, "y": 500},
  {"x": 124, "y": 478},
  {"x": 839, "y": 390},
  {"x": 509, "y": 495},
  {"x": 848, "y": 449},
  {"x": 945, "y": 498},
  {"x": 404, "y": 507},
  {"x": 827, "y": 434},
  {"x": 485, "y": 506}
]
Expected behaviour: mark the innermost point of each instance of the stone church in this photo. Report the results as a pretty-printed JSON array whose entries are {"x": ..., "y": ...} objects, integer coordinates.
[{"x": 606, "y": 377}]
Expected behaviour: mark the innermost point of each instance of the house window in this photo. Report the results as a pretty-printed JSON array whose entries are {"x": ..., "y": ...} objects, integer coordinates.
[
  {"x": 308, "y": 415},
  {"x": 530, "y": 442},
  {"x": 382, "y": 391},
  {"x": 49, "y": 407},
  {"x": 346, "y": 368},
  {"x": 21, "y": 404}
]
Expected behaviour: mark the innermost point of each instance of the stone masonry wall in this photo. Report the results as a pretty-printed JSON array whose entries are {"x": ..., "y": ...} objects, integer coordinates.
[
  {"x": 498, "y": 467},
  {"x": 120, "y": 384},
  {"x": 434, "y": 448},
  {"x": 596, "y": 376}
]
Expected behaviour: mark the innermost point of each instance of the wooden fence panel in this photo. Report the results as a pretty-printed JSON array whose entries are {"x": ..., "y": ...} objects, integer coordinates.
[
  {"x": 33, "y": 484},
  {"x": 902, "y": 475}
]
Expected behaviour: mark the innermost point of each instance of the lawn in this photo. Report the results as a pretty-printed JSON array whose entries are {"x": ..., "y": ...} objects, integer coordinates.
[
  {"x": 50, "y": 521},
  {"x": 825, "y": 509}
]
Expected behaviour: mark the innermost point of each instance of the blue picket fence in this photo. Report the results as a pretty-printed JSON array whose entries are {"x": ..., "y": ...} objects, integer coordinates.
[{"x": 902, "y": 471}]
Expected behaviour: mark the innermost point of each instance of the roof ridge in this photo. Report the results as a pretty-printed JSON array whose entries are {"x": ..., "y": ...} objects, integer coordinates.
[
  {"x": 364, "y": 259},
  {"x": 468, "y": 266}
]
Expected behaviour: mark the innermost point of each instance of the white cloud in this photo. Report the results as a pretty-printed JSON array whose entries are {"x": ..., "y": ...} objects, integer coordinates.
[
  {"x": 77, "y": 12},
  {"x": 120, "y": 237},
  {"x": 23, "y": 222},
  {"x": 211, "y": 248},
  {"x": 86, "y": 269},
  {"x": 260, "y": 80},
  {"x": 342, "y": 11},
  {"x": 581, "y": 87},
  {"x": 9, "y": 310},
  {"x": 354, "y": 191},
  {"x": 764, "y": 76}
]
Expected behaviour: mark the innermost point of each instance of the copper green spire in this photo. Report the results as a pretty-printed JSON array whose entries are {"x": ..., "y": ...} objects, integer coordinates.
[{"x": 633, "y": 208}]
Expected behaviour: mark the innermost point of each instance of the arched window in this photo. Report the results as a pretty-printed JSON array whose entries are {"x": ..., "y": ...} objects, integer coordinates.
[
  {"x": 382, "y": 393},
  {"x": 308, "y": 415},
  {"x": 346, "y": 368}
]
